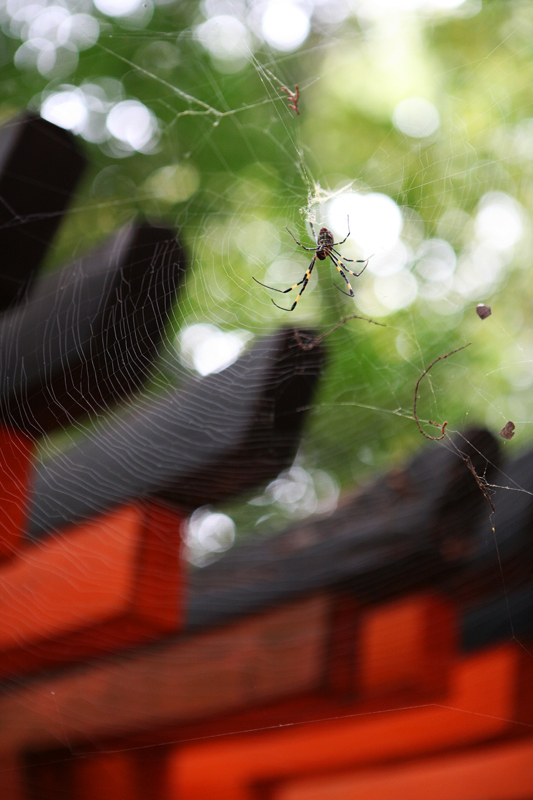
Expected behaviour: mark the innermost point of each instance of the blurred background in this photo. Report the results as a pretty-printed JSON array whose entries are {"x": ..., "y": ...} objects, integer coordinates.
[{"x": 415, "y": 122}]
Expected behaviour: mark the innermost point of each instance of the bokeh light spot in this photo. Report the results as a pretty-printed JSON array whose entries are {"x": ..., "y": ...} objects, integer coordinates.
[
  {"x": 375, "y": 220},
  {"x": 436, "y": 260},
  {"x": 207, "y": 349},
  {"x": 396, "y": 291},
  {"x": 117, "y": 8},
  {"x": 173, "y": 184},
  {"x": 225, "y": 38},
  {"x": 133, "y": 124},
  {"x": 285, "y": 26},
  {"x": 416, "y": 117},
  {"x": 499, "y": 220},
  {"x": 208, "y": 534},
  {"x": 66, "y": 108}
]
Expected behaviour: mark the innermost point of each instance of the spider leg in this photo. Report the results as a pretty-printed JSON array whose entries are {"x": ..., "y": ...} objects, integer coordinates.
[
  {"x": 343, "y": 276},
  {"x": 312, "y": 228},
  {"x": 356, "y": 274},
  {"x": 336, "y": 244},
  {"x": 281, "y": 291},
  {"x": 354, "y": 261},
  {"x": 304, "y": 281},
  {"x": 299, "y": 243}
]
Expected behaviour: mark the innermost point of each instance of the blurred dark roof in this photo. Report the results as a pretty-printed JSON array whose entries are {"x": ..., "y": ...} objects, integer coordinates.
[
  {"x": 40, "y": 166},
  {"x": 214, "y": 438},
  {"x": 77, "y": 340},
  {"x": 427, "y": 525}
]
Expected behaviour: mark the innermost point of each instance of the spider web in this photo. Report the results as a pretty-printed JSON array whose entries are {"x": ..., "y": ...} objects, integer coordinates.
[{"x": 414, "y": 134}]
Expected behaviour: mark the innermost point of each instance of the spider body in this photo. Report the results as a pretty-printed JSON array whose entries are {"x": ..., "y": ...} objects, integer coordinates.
[{"x": 325, "y": 245}]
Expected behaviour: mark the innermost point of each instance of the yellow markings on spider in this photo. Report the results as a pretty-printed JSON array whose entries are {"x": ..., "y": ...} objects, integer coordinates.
[{"x": 325, "y": 245}]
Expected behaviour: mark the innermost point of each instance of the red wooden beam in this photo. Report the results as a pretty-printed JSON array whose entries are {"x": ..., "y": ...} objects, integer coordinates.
[
  {"x": 114, "y": 581},
  {"x": 11, "y": 777},
  {"x": 407, "y": 645},
  {"x": 480, "y": 704},
  {"x": 269, "y": 657},
  {"x": 491, "y": 773},
  {"x": 16, "y": 450},
  {"x": 276, "y": 657},
  {"x": 267, "y": 676},
  {"x": 130, "y": 775},
  {"x": 402, "y": 646}
]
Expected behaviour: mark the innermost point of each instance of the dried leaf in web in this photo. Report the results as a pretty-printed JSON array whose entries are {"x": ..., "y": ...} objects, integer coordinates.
[
  {"x": 507, "y": 432},
  {"x": 483, "y": 311}
]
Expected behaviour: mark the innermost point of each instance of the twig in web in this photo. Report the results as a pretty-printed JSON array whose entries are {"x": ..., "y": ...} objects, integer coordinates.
[
  {"x": 314, "y": 342},
  {"x": 430, "y": 421},
  {"x": 481, "y": 482},
  {"x": 292, "y": 97}
]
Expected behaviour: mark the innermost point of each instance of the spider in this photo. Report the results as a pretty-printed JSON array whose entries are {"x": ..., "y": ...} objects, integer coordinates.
[{"x": 325, "y": 246}]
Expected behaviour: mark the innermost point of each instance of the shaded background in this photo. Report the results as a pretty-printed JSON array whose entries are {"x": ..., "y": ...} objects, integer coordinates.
[{"x": 415, "y": 122}]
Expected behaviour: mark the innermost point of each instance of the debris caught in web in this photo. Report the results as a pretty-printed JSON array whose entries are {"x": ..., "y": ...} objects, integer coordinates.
[
  {"x": 481, "y": 482},
  {"x": 430, "y": 421},
  {"x": 292, "y": 97},
  {"x": 507, "y": 432},
  {"x": 483, "y": 311}
]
